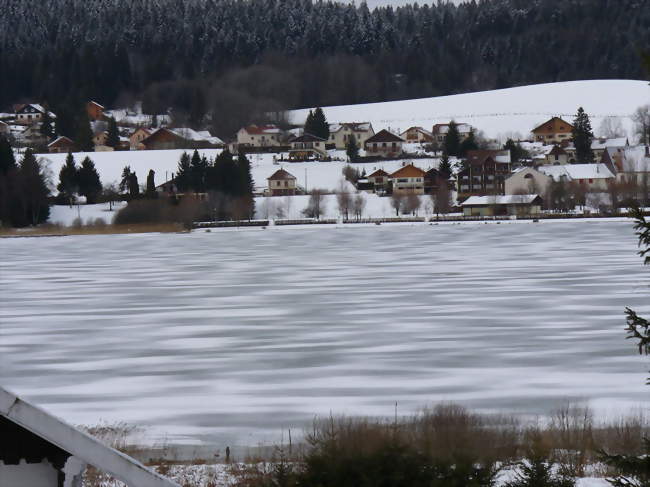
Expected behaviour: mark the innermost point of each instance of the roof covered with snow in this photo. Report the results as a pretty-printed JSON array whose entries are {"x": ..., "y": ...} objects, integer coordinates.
[
  {"x": 577, "y": 171},
  {"x": 196, "y": 136},
  {"x": 78, "y": 443},
  {"x": 353, "y": 126},
  {"x": 509, "y": 199}
]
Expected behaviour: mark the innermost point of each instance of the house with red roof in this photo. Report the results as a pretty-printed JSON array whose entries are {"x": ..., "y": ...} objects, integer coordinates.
[
  {"x": 260, "y": 136},
  {"x": 408, "y": 179},
  {"x": 282, "y": 183}
]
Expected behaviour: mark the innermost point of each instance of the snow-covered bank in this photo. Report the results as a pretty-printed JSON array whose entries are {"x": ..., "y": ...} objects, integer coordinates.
[{"x": 497, "y": 112}]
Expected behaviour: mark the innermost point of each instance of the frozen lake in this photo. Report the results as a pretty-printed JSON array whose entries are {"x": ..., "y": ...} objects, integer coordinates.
[{"x": 231, "y": 336}]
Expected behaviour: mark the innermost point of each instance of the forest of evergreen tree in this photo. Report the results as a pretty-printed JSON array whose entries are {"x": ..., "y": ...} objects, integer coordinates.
[{"x": 235, "y": 59}]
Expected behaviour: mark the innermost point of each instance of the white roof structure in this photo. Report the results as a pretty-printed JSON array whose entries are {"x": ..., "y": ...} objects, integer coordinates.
[
  {"x": 509, "y": 199},
  {"x": 618, "y": 143},
  {"x": 79, "y": 444},
  {"x": 200, "y": 136},
  {"x": 577, "y": 171},
  {"x": 635, "y": 160},
  {"x": 355, "y": 126}
]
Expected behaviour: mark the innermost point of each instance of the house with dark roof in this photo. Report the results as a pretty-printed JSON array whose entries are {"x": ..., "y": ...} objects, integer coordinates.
[
  {"x": 39, "y": 450},
  {"x": 417, "y": 135},
  {"x": 384, "y": 144},
  {"x": 483, "y": 173},
  {"x": 31, "y": 113},
  {"x": 379, "y": 181},
  {"x": 556, "y": 156},
  {"x": 439, "y": 131},
  {"x": 408, "y": 179},
  {"x": 61, "y": 144},
  {"x": 282, "y": 183},
  {"x": 307, "y": 147}
]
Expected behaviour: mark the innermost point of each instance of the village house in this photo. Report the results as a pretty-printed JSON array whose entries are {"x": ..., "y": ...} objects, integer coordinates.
[
  {"x": 31, "y": 113},
  {"x": 553, "y": 131},
  {"x": 439, "y": 131},
  {"x": 307, "y": 147},
  {"x": 136, "y": 138},
  {"x": 556, "y": 156},
  {"x": 592, "y": 177},
  {"x": 528, "y": 180},
  {"x": 61, "y": 144},
  {"x": 282, "y": 183},
  {"x": 432, "y": 181},
  {"x": 484, "y": 173},
  {"x": 379, "y": 181},
  {"x": 408, "y": 180},
  {"x": 100, "y": 139},
  {"x": 39, "y": 450},
  {"x": 635, "y": 166},
  {"x": 179, "y": 138},
  {"x": 384, "y": 144},
  {"x": 95, "y": 111},
  {"x": 417, "y": 135},
  {"x": 598, "y": 147},
  {"x": 496, "y": 205},
  {"x": 263, "y": 136},
  {"x": 341, "y": 133}
]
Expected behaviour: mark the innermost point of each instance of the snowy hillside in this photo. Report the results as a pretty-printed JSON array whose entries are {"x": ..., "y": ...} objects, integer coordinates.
[{"x": 501, "y": 111}]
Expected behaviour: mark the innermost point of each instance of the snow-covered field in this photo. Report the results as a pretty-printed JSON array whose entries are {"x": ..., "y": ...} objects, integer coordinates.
[
  {"x": 504, "y": 111},
  {"x": 231, "y": 336}
]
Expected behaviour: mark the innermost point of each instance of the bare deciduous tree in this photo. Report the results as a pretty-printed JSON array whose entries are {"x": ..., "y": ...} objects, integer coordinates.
[
  {"x": 442, "y": 199},
  {"x": 344, "y": 199},
  {"x": 316, "y": 206},
  {"x": 611, "y": 128},
  {"x": 358, "y": 205},
  {"x": 641, "y": 118},
  {"x": 397, "y": 202},
  {"x": 412, "y": 204}
]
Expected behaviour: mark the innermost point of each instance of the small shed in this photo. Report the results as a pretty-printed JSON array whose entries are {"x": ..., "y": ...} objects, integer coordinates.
[
  {"x": 39, "y": 450},
  {"x": 511, "y": 204}
]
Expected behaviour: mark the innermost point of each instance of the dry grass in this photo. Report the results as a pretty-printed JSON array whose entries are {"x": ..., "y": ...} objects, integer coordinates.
[{"x": 99, "y": 229}]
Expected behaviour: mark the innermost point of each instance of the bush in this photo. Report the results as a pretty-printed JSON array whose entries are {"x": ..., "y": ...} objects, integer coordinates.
[{"x": 186, "y": 211}]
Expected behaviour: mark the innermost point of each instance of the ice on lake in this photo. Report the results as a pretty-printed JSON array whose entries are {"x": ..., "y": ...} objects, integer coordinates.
[{"x": 233, "y": 336}]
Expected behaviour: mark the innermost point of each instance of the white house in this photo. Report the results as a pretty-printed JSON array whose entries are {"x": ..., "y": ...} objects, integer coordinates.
[
  {"x": 515, "y": 204},
  {"x": 39, "y": 450},
  {"x": 259, "y": 136},
  {"x": 594, "y": 177},
  {"x": 31, "y": 113},
  {"x": 341, "y": 133}
]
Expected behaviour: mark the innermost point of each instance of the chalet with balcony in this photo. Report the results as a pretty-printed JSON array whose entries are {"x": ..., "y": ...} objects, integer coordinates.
[
  {"x": 95, "y": 111},
  {"x": 439, "y": 131},
  {"x": 61, "y": 145},
  {"x": 432, "y": 180},
  {"x": 307, "y": 147},
  {"x": 282, "y": 183},
  {"x": 341, "y": 133},
  {"x": 379, "y": 181},
  {"x": 553, "y": 131},
  {"x": 384, "y": 144},
  {"x": 136, "y": 138},
  {"x": 417, "y": 135},
  {"x": 263, "y": 136},
  {"x": 408, "y": 180},
  {"x": 484, "y": 173},
  {"x": 179, "y": 138},
  {"x": 31, "y": 113}
]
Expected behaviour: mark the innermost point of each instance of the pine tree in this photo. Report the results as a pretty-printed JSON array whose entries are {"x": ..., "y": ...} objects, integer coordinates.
[
  {"x": 582, "y": 137},
  {"x": 84, "y": 134},
  {"x": 183, "y": 180},
  {"x": 468, "y": 144},
  {"x": 151, "y": 185},
  {"x": 89, "y": 184},
  {"x": 635, "y": 470},
  {"x": 352, "y": 149},
  {"x": 444, "y": 168},
  {"x": 113, "y": 139},
  {"x": 246, "y": 185},
  {"x": 320, "y": 126},
  {"x": 47, "y": 129},
  {"x": 126, "y": 177},
  {"x": 309, "y": 123},
  {"x": 33, "y": 192},
  {"x": 7, "y": 159},
  {"x": 134, "y": 187},
  {"x": 517, "y": 152},
  {"x": 68, "y": 180},
  {"x": 198, "y": 166},
  {"x": 452, "y": 140}
]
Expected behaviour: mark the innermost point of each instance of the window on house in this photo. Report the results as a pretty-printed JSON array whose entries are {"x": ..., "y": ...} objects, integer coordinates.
[
  {"x": 286, "y": 184},
  {"x": 383, "y": 144}
]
